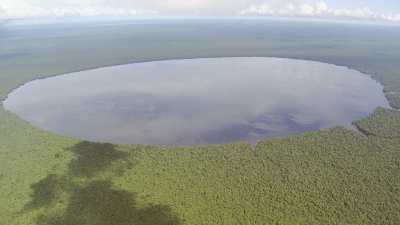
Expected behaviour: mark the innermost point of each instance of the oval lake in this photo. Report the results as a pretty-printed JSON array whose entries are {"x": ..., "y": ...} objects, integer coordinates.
[{"x": 198, "y": 101}]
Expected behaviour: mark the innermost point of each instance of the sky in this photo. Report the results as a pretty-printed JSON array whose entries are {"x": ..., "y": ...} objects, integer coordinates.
[{"x": 384, "y": 10}]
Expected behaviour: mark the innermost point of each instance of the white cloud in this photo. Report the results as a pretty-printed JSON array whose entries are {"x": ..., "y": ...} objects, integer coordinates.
[
  {"x": 40, "y": 8},
  {"x": 22, "y": 9},
  {"x": 318, "y": 9},
  {"x": 295, "y": 8}
]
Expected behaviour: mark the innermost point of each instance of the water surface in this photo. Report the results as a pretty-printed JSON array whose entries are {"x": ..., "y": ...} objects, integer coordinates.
[{"x": 198, "y": 101}]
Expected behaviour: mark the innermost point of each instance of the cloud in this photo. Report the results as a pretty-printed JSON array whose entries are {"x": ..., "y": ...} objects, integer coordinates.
[
  {"x": 23, "y": 9},
  {"x": 45, "y": 8},
  {"x": 319, "y": 9},
  {"x": 2, "y": 12},
  {"x": 286, "y": 8}
]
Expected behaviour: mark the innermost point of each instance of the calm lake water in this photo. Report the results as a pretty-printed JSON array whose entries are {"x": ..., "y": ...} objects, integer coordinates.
[{"x": 198, "y": 101}]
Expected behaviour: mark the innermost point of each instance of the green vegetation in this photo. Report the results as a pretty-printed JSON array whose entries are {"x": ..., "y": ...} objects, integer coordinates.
[
  {"x": 334, "y": 176},
  {"x": 93, "y": 158},
  {"x": 45, "y": 192},
  {"x": 99, "y": 203},
  {"x": 380, "y": 124},
  {"x": 93, "y": 200}
]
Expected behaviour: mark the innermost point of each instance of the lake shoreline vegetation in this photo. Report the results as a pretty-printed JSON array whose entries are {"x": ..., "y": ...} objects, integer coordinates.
[{"x": 332, "y": 176}]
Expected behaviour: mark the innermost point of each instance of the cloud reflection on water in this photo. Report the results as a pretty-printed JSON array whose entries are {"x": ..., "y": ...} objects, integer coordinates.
[{"x": 198, "y": 101}]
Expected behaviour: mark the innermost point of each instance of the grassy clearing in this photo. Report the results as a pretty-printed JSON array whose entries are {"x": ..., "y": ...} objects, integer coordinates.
[{"x": 335, "y": 176}]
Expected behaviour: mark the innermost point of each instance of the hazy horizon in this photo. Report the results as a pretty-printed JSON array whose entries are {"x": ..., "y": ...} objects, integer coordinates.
[{"x": 365, "y": 10}]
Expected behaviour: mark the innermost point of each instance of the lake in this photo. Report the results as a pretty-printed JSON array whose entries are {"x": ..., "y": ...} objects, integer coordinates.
[{"x": 198, "y": 101}]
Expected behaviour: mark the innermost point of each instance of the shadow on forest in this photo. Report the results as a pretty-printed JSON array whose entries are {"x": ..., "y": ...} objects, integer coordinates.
[
  {"x": 93, "y": 158},
  {"x": 45, "y": 192},
  {"x": 93, "y": 202},
  {"x": 99, "y": 204}
]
